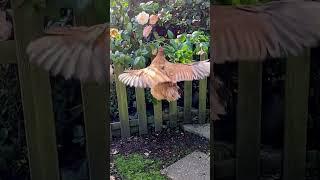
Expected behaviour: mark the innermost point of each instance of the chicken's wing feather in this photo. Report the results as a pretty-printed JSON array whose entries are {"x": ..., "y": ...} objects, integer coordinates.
[
  {"x": 79, "y": 52},
  {"x": 275, "y": 29},
  {"x": 188, "y": 72},
  {"x": 143, "y": 78}
]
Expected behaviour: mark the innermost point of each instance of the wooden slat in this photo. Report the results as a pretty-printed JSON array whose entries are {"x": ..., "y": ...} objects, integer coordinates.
[
  {"x": 157, "y": 110},
  {"x": 122, "y": 102},
  {"x": 8, "y": 52},
  {"x": 95, "y": 107},
  {"x": 187, "y": 101},
  {"x": 203, "y": 95},
  {"x": 249, "y": 116},
  {"x": 36, "y": 99},
  {"x": 248, "y": 122},
  {"x": 173, "y": 114},
  {"x": 95, "y": 110},
  {"x": 141, "y": 109},
  {"x": 296, "y": 116}
]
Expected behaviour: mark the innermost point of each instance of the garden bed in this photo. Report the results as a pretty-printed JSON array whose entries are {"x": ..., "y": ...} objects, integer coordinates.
[{"x": 166, "y": 147}]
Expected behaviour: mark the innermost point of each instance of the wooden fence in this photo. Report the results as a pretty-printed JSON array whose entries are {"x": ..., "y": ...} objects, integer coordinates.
[
  {"x": 39, "y": 117},
  {"x": 173, "y": 118}
]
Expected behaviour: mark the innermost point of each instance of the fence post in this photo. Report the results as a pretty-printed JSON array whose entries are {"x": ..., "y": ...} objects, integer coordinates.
[
  {"x": 141, "y": 108},
  {"x": 249, "y": 121},
  {"x": 203, "y": 95},
  {"x": 187, "y": 102},
  {"x": 36, "y": 98},
  {"x": 95, "y": 105},
  {"x": 157, "y": 110},
  {"x": 296, "y": 117},
  {"x": 173, "y": 114},
  {"x": 122, "y": 102}
]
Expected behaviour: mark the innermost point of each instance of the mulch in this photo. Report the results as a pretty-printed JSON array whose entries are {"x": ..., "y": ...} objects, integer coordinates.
[{"x": 167, "y": 146}]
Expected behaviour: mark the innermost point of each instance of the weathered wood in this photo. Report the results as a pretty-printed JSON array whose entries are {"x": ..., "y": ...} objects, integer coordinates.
[
  {"x": 151, "y": 119},
  {"x": 36, "y": 98},
  {"x": 122, "y": 102},
  {"x": 296, "y": 117},
  {"x": 249, "y": 116},
  {"x": 173, "y": 114},
  {"x": 8, "y": 52},
  {"x": 187, "y": 101},
  {"x": 157, "y": 111},
  {"x": 95, "y": 110},
  {"x": 141, "y": 108},
  {"x": 249, "y": 120},
  {"x": 95, "y": 107},
  {"x": 203, "y": 95}
]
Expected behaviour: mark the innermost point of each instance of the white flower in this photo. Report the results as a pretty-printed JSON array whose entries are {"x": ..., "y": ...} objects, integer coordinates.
[
  {"x": 142, "y": 18},
  {"x": 149, "y": 3}
]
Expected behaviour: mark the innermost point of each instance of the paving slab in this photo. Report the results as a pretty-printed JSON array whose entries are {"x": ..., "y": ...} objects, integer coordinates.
[
  {"x": 202, "y": 130},
  {"x": 195, "y": 166}
]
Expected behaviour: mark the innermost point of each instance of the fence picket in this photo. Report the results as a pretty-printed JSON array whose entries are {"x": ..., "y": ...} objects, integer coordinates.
[
  {"x": 36, "y": 98},
  {"x": 203, "y": 95},
  {"x": 296, "y": 117},
  {"x": 157, "y": 110},
  {"x": 187, "y": 101},
  {"x": 248, "y": 121},
  {"x": 173, "y": 114},
  {"x": 122, "y": 102},
  {"x": 95, "y": 107},
  {"x": 141, "y": 108}
]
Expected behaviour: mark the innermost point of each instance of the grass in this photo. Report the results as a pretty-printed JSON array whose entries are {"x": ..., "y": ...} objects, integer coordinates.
[{"x": 136, "y": 167}]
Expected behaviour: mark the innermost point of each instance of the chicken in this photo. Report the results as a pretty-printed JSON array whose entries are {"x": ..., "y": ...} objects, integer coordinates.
[{"x": 162, "y": 76}]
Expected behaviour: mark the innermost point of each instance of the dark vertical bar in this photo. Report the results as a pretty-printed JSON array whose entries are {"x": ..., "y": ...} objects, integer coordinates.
[
  {"x": 95, "y": 105},
  {"x": 248, "y": 122},
  {"x": 36, "y": 98},
  {"x": 296, "y": 117}
]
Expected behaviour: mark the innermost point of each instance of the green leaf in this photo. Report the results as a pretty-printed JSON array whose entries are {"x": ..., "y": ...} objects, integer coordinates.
[
  {"x": 129, "y": 26},
  {"x": 170, "y": 34},
  {"x": 139, "y": 61}
]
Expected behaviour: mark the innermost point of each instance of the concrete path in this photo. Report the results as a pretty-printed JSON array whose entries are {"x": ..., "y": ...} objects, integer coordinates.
[
  {"x": 202, "y": 130},
  {"x": 195, "y": 166}
]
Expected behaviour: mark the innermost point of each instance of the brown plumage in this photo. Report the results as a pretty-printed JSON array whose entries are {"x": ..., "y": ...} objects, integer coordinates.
[
  {"x": 79, "y": 52},
  {"x": 274, "y": 29},
  {"x": 162, "y": 76}
]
